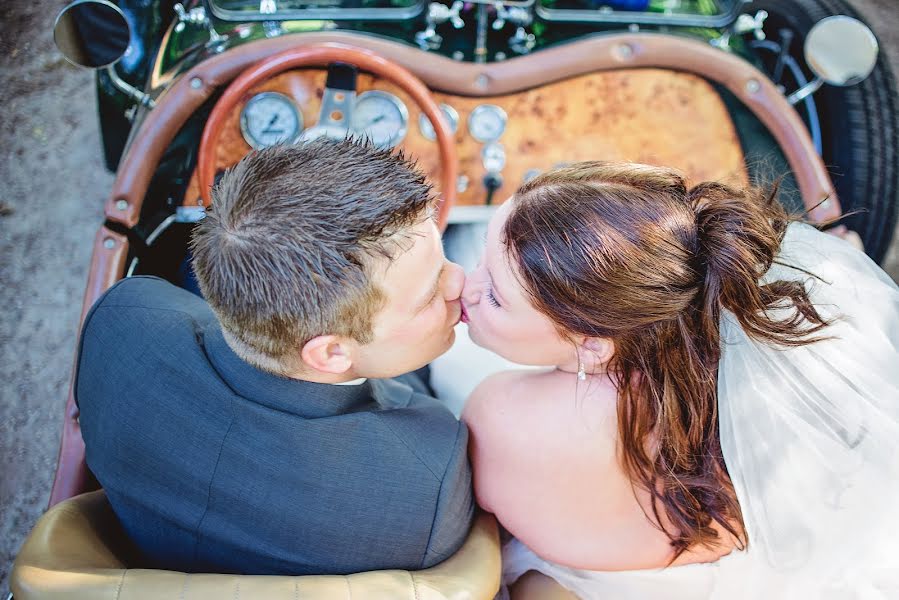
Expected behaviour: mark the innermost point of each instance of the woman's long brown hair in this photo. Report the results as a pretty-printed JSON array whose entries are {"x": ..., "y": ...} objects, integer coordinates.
[{"x": 626, "y": 252}]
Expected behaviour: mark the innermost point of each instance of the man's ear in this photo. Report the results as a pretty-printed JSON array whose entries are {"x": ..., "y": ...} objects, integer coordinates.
[{"x": 328, "y": 354}]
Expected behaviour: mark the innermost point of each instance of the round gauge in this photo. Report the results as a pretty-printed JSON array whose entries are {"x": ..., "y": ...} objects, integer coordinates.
[
  {"x": 493, "y": 156},
  {"x": 427, "y": 130},
  {"x": 270, "y": 118},
  {"x": 487, "y": 122},
  {"x": 381, "y": 117}
]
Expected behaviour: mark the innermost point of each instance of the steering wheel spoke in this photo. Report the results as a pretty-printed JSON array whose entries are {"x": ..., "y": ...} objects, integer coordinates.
[{"x": 335, "y": 118}]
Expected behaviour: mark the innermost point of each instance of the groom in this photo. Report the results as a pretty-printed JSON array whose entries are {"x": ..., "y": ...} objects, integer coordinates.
[{"x": 268, "y": 429}]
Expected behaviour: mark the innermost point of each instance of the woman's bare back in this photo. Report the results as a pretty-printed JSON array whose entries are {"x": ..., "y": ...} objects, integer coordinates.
[{"x": 543, "y": 451}]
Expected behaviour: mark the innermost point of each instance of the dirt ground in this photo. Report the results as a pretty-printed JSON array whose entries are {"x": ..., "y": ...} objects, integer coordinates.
[{"x": 52, "y": 187}]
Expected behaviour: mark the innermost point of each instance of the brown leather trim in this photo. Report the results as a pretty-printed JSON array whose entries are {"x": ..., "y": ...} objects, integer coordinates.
[
  {"x": 600, "y": 52},
  {"x": 107, "y": 266},
  {"x": 321, "y": 55}
]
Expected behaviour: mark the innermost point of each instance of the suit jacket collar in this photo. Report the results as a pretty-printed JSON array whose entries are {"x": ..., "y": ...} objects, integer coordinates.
[{"x": 296, "y": 396}]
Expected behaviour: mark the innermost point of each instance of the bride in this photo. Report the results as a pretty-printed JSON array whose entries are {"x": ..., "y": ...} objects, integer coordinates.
[{"x": 718, "y": 412}]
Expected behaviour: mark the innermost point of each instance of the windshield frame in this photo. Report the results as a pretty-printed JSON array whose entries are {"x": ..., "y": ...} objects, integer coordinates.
[{"x": 317, "y": 14}]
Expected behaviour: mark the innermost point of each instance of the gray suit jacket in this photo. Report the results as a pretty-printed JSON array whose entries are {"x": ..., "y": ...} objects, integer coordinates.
[{"x": 215, "y": 466}]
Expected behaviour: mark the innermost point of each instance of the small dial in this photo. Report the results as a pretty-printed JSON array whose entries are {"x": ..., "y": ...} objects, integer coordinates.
[
  {"x": 487, "y": 122},
  {"x": 270, "y": 118},
  {"x": 427, "y": 130},
  {"x": 381, "y": 117},
  {"x": 493, "y": 156}
]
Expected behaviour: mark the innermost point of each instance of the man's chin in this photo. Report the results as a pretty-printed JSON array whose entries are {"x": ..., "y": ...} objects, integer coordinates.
[
  {"x": 450, "y": 340},
  {"x": 438, "y": 351}
]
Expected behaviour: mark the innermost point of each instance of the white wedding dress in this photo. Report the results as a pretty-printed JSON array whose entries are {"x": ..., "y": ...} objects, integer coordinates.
[{"x": 810, "y": 437}]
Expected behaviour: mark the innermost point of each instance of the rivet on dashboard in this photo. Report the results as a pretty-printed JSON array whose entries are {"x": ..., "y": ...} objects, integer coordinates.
[
  {"x": 753, "y": 86},
  {"x": 624, "y": 51},
  {"x": 196, "y": 83},
  {"x": 108, "y": 243},
  {"x": 121, "y": 204}
]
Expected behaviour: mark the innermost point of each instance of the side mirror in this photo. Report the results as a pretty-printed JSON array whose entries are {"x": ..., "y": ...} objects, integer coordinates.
[
  {"x": 92, "y": 33},
  {"x": 839, "y": 50}
]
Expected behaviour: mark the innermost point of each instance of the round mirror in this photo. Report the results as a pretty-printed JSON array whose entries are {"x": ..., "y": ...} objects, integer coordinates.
[
  {"x": 92, "y": 33},
  {"x": 841, "y": 50}
]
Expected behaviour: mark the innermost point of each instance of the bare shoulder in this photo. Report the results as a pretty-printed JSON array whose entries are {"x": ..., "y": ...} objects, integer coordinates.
[
  {"x": 534, "y": 433},
  {"x": 512, "y": 405},
  {"x": 494, "y": 417},
  {"x": 500, "y": 405},
  {"x": 491, "y": 397}
]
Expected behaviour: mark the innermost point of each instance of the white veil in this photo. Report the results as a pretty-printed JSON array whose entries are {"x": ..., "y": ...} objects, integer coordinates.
[{"x": 810, "y": 435}]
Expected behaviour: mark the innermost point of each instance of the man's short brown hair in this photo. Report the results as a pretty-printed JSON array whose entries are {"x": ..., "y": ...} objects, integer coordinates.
[{"x": 285, "y": 251}]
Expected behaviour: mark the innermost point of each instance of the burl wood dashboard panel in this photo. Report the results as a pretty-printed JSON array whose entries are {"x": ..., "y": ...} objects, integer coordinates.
[{"x": 651, "y": 116}]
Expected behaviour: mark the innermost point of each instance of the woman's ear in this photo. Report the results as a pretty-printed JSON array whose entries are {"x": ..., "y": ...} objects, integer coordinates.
[
  {"x": 599, "y": 350},
  {"x": 327, "y": 354}
]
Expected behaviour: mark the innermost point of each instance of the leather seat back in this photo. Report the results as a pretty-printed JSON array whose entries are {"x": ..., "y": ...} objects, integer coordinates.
[{"x": 78, "y": 551}]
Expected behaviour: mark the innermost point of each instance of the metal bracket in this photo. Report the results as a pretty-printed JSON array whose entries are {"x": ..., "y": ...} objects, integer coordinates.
[
  {"x": 128, "y": 89},
  {"x": 808, "y": 89}
]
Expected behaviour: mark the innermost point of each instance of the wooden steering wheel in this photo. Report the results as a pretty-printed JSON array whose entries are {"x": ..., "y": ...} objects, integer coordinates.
[{"x": 319, "y": 55}]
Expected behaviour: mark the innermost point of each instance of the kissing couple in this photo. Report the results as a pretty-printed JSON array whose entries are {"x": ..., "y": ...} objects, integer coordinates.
[{"x": 672, "y": 392}]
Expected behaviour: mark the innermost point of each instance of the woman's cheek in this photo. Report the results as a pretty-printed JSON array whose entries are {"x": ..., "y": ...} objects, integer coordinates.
[{"x": 493, "y": 324}]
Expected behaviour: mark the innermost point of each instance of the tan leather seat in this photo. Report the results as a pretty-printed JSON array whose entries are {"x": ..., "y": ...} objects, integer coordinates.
[
  {"x": 75, "y": 552},
  {"x": 537, "y": 586}
]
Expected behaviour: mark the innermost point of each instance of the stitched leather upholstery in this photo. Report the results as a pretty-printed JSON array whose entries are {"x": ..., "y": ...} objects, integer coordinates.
[{"x": 77, "y": 551}]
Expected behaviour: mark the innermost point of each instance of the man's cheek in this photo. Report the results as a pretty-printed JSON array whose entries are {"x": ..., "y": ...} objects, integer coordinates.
[{"x": 410, "y": 332}]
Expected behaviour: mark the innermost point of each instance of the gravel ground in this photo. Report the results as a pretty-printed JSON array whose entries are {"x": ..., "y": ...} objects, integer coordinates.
[{"x": 53, "y": 187}]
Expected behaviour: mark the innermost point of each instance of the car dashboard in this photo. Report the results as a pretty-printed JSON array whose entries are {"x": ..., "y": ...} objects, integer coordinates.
[{"x": 654, "y": 116}]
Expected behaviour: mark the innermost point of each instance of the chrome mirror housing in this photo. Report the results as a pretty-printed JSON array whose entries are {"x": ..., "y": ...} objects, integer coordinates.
[
  {"x": 92, "y": 33},
  {"x": 841, "y": 50}
]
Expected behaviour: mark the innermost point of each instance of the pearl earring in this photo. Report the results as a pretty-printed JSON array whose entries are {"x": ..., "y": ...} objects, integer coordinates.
[{"x": 581, "y": 371}]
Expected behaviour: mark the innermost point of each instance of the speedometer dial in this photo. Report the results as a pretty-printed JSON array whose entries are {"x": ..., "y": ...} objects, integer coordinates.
[
  {"x": 381, "y": 117},
  {"x": 270, "y": 118}
]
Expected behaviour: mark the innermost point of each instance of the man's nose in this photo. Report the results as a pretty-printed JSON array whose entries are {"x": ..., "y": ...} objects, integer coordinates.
[
  {"x": 471, "y": 291},
  {"x": 455, "y": 279}
]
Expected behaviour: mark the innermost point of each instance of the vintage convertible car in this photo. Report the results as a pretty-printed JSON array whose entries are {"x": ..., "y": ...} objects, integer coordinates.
[{"x": 485, "y": 94}]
